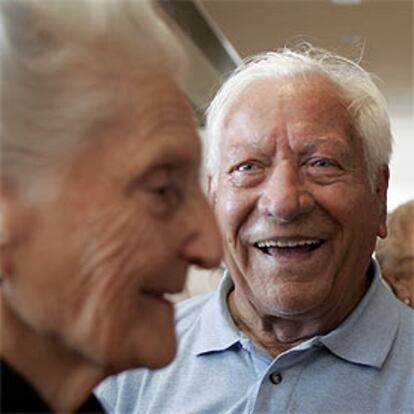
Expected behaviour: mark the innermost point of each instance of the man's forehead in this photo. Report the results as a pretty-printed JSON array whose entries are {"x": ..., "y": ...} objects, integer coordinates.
[
  {"x": 310, "y": 106},
  {"x": 340, "y": 144},
  {"x": 268, "y": 96}
]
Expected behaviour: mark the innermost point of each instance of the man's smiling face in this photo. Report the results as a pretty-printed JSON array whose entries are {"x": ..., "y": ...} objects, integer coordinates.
[{"x": 293, "y": 200}]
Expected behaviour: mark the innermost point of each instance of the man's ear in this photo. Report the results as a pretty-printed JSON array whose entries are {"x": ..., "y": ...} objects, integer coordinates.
[
  {"x": 211, "y": 190},
  {"x": 381, "y": 194}
]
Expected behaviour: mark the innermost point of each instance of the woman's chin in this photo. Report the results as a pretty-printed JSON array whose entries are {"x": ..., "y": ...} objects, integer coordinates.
[
  {"x": 152, "y": 353},
  {"x": 161, "y": 354}
]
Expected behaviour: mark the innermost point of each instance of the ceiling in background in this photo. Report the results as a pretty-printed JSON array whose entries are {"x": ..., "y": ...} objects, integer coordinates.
[
  {"x": 210, "y": 54},
  {"x": 378, "y": 33}
]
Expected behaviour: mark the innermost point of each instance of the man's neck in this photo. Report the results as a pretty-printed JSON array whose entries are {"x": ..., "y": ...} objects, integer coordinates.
[
  {"x": 278, "y": 334},
  {"x": 62, "y": 377},
  {"x": 261, "y": 333}
]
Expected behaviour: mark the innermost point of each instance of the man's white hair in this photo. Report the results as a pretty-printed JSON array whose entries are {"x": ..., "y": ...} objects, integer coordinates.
[
  {"x": 47, "y": 105},
  {"x": 364, "y": 101}
]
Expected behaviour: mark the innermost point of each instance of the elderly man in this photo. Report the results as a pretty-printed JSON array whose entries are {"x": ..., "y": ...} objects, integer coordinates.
[{"x": 299, "y": 146}]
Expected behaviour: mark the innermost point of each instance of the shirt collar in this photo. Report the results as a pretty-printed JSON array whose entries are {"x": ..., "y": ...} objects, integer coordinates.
[
  {"x": 217, "y": 330},
  {"x": 376, "y": 316}
]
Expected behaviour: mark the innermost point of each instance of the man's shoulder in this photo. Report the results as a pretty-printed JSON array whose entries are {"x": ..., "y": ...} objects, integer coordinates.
[
  {"x": 406, "y": 324},
  {"x": 189, "y": 310},
  {"x": 399, "y": 362},
  {"x": 190, "y": 316}
]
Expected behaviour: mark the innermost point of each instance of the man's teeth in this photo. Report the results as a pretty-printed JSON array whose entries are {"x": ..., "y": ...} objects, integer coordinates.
[{"x": 287, "y": 243}]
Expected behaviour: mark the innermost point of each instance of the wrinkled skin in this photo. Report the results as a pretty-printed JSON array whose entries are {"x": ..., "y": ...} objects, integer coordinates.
[
  {"x": 396, "y": 253},
  {"x": 89, "y": 262},
  {"x": 292, "y": 169}
]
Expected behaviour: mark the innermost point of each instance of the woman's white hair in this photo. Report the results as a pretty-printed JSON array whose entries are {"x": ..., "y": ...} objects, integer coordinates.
[
  {"x": 364, "y": 101},
  {"x": 47, "y": 105}
]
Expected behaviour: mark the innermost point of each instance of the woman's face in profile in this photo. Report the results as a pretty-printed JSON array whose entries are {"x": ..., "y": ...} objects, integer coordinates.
[
  {"x": 398, "y": 261},
  {"x": 120, "y": 230}
]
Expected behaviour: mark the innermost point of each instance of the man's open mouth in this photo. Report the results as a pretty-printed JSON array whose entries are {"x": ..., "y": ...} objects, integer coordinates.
[{"x": 288, "y": 246}]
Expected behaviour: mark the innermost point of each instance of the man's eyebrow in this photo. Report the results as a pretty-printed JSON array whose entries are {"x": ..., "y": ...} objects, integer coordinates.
[
  {"x": 316, "y": 143},
  {"x": 245, "y": 146}
]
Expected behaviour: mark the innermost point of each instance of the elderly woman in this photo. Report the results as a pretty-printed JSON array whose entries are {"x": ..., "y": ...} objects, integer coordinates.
[
  {"x": 396, "y": 253},
  {"x": 101, "y": 211}
]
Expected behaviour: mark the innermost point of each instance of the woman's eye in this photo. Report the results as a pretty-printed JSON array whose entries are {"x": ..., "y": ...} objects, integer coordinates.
[
  {"x": 162, "y": 191},
  {"x": 168, "y": 193}
]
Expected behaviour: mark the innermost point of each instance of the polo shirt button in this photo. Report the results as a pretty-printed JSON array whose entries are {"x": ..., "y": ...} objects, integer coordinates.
[{"x": 275, "y": 378}]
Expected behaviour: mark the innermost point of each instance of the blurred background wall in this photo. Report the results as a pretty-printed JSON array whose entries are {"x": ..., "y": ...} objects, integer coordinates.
[{"x": 379, "y": 33}]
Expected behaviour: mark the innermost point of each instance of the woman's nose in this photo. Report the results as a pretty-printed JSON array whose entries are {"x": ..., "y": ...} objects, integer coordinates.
[
  {"x": 284, "y": 196},
  {"x": 203, "y": 247}
]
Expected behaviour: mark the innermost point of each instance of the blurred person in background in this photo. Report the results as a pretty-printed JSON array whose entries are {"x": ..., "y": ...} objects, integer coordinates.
[
  {"x": 395, "y": 253},
  {"x": 101, "y": 211},
  {"x": 299, "y": 143}
]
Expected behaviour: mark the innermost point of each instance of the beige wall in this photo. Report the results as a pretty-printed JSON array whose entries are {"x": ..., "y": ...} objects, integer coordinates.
[{"x": 379, "y": 30}]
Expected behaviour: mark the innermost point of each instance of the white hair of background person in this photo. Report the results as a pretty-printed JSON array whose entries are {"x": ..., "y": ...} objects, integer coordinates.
[
  {"x": 39, "y": 125},
  {"x": 364, "y": 101}
]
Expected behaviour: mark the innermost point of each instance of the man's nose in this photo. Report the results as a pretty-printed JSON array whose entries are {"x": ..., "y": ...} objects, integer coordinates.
[
  {"x": 203, "y": 247},
  {"x": 285, "y": 196}
]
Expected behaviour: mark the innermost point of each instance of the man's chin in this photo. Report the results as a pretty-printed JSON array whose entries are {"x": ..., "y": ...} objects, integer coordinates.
[{"x": 295, "y": 303}]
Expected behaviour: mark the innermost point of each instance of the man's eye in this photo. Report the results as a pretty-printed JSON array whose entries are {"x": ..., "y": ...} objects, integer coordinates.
[
  {"x": 247, "y": 166},
  {"x": 323, "y": 163}
]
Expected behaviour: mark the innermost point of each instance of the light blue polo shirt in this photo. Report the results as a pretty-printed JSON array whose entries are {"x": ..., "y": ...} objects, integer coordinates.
[{"x": 366, "y": 365}]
